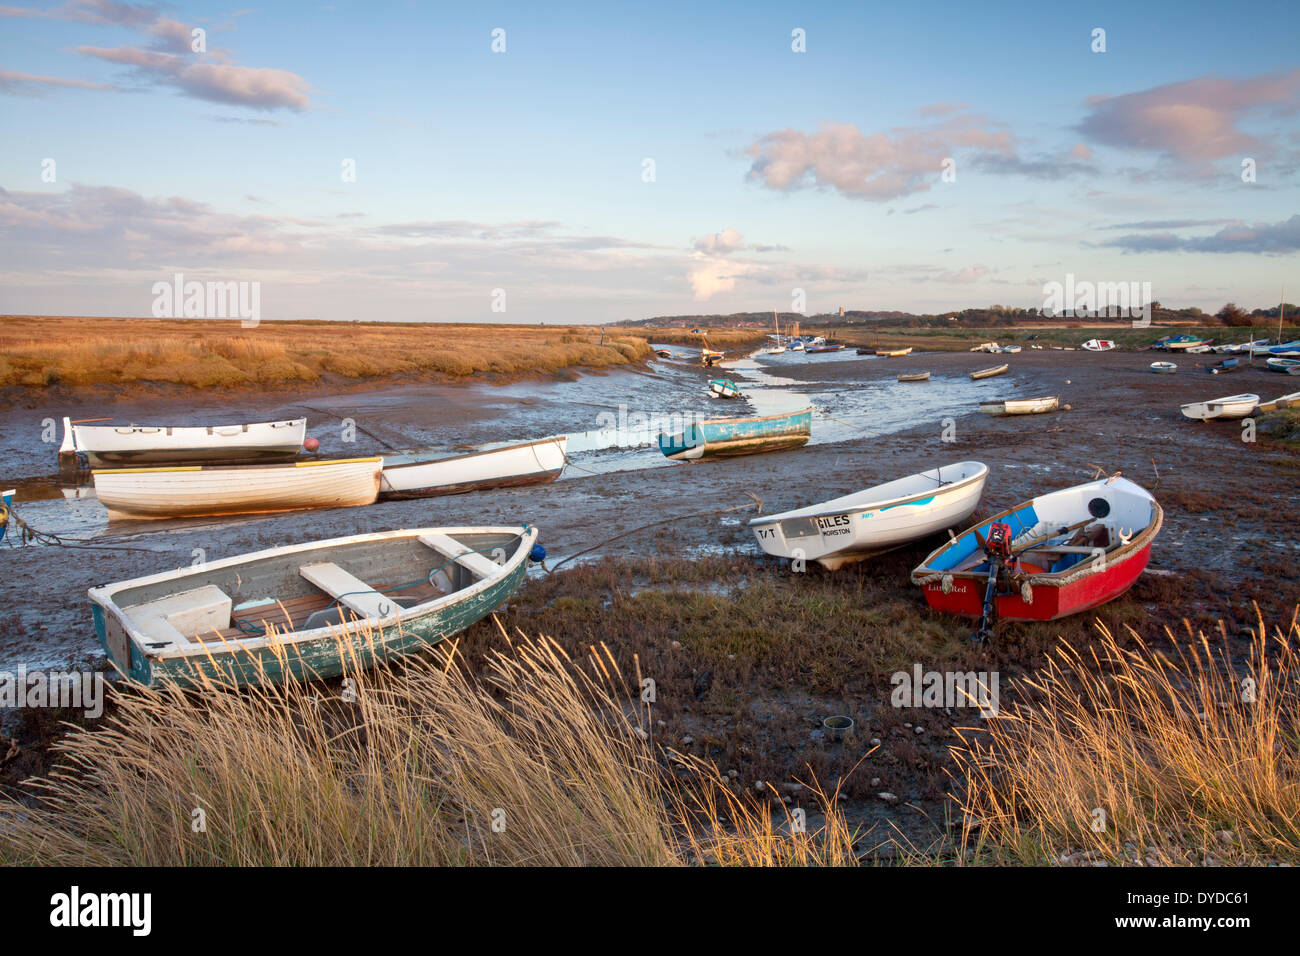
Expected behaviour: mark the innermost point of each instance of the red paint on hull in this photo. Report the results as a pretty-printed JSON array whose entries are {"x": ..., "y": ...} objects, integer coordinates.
[{"x": 1050, "y": 603}]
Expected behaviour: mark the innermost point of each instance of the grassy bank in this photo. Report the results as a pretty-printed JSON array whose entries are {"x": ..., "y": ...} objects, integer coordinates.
[{"x": 36, "y": 352}]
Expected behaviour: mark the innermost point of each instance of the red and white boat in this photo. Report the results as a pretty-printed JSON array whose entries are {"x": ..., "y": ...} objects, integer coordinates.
[
  {"x": 1065, "y": 552},
  {"x": 1099, "y": 345}
]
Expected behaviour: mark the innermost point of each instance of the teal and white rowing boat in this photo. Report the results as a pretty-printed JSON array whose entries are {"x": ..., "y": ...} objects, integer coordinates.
[
  {"x": 725, "y": 387},
  {"x": 310, "y": 610},
  {"x": 719, "y": 437}
]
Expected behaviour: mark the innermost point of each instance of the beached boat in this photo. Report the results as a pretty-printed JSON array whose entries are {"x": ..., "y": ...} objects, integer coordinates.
[
  {"x": 1282, "y": 364},
  {"x": 1164, "y": 368},
  {"x": 709, "y": 356},
  {"x": 721, "y": 437},
  {"x": 1224, "y": 365},
  {"x": 894, "y": 353},
  {"x": 1022, "y": 406},
  {"x": 818, "y": 349},
  {"x": 1181, "y": 343},
  {"x": 1099, "y": 345},
  {"x": 102, "y": 445},
  {"x": 1010, "y": 349},
  {"x": 309, "y": 610},
  {"x": 723, "y": 388},
  {"x": 427, "y": 476},
  {"x": 868, "y": 351},
  {"x": 1070, "y": 550},
  {"x": 1231, "y": 406},
  {"x": 989, "y": 372},
  {"x": 837, "y": 532},
  {"x": 915, "y": 377},
  {"x": 1199, "y": 349},
  {"x": 190, "y": 490},
  {"x": 987, "y": 347},
  {"x": 1284, "y": 401},
  {"x": 1286, "y": 349},
  {"x": 663, "y": 353},
  {"x": 1258, "y": 345}
]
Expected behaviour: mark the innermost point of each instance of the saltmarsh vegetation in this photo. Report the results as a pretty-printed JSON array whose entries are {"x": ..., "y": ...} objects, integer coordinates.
[
  {"x": 542, "y": 756},
  {"x": 37, "y": 352}
]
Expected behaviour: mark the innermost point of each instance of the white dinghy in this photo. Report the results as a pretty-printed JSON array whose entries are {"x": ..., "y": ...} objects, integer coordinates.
[
  {"x": 1232, "y": 406},
  {"x": 1022, "y": 406},
  {"x": 838, "y": 532},
  {"x": 205, "y": 490},
  {"x": 532, "y": 463},
  {"x": 108, "y": 445}
]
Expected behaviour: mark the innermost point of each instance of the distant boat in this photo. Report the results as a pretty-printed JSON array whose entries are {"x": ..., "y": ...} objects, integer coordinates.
[
  {"x": 724, "y": 437},
  {"x": 798, "y": 346},
  {"x": 724, "y": 388},
  {"x": 1071, "y": 550},
  {"x": 709, "y": 356},
  {"x": 1225, "y": 365},
  {"x": 1285, "y": 401},
  {"x": 1021, "y": 406},
  {"x": 987, "y": 347},
  {"x": 432, "y": 475},
  {"x": 193, "y": 490},
  {"x": 778, "y": 348},
  {"x": 663, "y": 353},
  {"x": 1282, "y": 364},
  {"x": 1180, "y": 343},
  {"x": 869, "y": 351},
  {"x": 1099, "y": 345},
  {"x": 108, "y": 445},
  {"x": 842, "y": 530},
  {"x": 1286, "y": 349},
  {"x": 1201, "y": 349},
  {"x": 1164, "y": 368},
  {"x": 915, "y": 377},
  {"x": 894, "y": 353},
  {"x": 1010, "y": 349},
  {"x": 816, "y": 349},
  {"x": 1232, "y": 406},
  {"x": 1258, "y": 345},
  {"x": 310, "y": 610},
  {"x": 989, "y": 372}
]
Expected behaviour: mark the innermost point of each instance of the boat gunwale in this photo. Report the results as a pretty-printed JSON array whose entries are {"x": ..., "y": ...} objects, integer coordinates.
[
  {"x": 561, "y": 440},
  {"x": 104, "y": 594}
]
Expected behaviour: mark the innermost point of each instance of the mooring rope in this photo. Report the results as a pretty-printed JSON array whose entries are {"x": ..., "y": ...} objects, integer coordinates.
[{"x": 29, "y": 534}]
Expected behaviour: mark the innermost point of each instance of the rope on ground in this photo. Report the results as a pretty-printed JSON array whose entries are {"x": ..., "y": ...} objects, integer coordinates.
[
  {"x": 28, "y": 534},
  {"x": 756, "y": 503}
]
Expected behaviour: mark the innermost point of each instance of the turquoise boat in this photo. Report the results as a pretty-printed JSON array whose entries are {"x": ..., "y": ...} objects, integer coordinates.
[
  {"x": 309, "y": 611},
  {"x": 720, "y": 437}
]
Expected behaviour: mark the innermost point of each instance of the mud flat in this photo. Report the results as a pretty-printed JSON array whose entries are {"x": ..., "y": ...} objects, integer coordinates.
[{"x": 762, "y": 653}]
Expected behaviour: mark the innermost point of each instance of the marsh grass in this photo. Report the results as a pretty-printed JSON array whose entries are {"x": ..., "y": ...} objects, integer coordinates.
[
  {"x": 1137, "y": 755},
  {"x": 535, "y": 763},
  {"x": 37, "y": 352}
]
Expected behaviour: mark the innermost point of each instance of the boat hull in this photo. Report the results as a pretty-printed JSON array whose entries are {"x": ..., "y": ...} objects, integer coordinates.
[
  {"x": 729, "y": 437},
  {"x": 843, "y": 531},
  {"x": 109, "y": 446},
  {"x": 194, "y": 491},
  {"x": 1021, "y": 406},
  {"x": 320, "y": 653},
  {"x": 533, "y": 463},
  {"x": 989, "y": 372}
]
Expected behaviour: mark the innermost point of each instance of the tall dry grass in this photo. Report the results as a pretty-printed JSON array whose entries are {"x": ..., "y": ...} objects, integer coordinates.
[
  {"x": 537, "y": 763},
  {"x": 1137, "y": 756},
  {"x": 38, "y": 351}
]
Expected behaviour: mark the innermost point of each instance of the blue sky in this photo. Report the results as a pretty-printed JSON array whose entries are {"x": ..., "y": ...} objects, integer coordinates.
[{"x": 524, "y": 170}]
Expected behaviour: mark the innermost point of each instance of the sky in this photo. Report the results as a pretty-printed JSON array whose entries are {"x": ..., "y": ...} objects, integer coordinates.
[{"x": 575, "y": 163}]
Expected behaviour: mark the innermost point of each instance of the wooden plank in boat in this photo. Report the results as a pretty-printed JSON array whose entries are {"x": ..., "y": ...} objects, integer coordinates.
[
  {"x": 450, "y": 548},
  {"x": 349, "y": 590}
]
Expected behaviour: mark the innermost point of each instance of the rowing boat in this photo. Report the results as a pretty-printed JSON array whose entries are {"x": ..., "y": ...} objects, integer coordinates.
[
  {"x": 1073, "y": 549},
  {"x": 989, "y": 372},
  {"x": 1231, "y": 406},
  {"x": 1282, "y": 364},
  {"x": 309, "y": 610},
  {"x": 724, "y": 388},
  {"x": 1022, "y": 406},
  {"x": 191, "y": 490},
  {"x": 108, "y": 445},
  {"x": 1284, "y": 401},
  {"x": 1224, "y": 365},
  {"x": 818, "y": 349},
  {"x": 427, "y": 476},
  {"x": 893, "y": 353},
  {"x": 1099, "y": 345},
  {"x": 915, "y": 377},
  {"x": 722, "y": 437},
  {"x": 1164, "y": 368},
  {"x": 842, "y": 530}
]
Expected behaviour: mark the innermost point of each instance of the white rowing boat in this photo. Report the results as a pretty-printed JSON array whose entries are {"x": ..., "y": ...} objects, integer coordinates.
[
  {"x": 1022, "y": 406},
  {"x": 1231, "y": 406},
  {"x": 989, "y": 372},
  {"x": 837, "y": 532},
  {"x": 1284, "y": 401},
  {"x": 416, "y": 476},
  {"x": 914, "y": 377},
  {"x": 191, "y": 490},
  {"x": 1099, "y": 345},
  {"x": 309, "y": 610},
  {"x": 1164, "y": 368},
  {"x": 110, "y": 445}
]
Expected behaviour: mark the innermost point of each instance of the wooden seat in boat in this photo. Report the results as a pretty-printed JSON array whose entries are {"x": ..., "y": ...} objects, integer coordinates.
[
  {"x": 477, "y": 564},
  {"x": 348, "y": 590}
]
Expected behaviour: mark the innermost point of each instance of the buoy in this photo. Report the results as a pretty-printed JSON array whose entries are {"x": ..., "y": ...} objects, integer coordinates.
[
  {"x": 537, "y": 553},
  {"x": 311, "y": 444}
]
